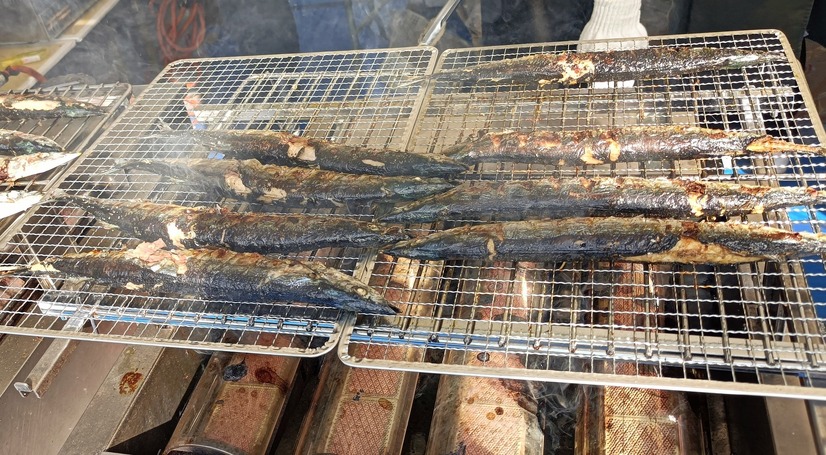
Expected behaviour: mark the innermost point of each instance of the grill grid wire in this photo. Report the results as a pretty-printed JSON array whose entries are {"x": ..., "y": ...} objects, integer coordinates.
[
  {"x": 754, "y": 328},
  {"x": 341, "y": 96}
]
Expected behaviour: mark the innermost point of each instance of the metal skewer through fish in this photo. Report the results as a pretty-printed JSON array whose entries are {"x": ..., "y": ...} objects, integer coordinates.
[
  {"x": 623, "y": 239},
  {"x": 571, "y": 68},
  {"x": 285, "y": 149},
  {"x": 219, "y": 274},
  {"x": 249, "y": 180},
  {"x": 13, "y": 143},
  {"x": 631, "y": 144},
  {"x": 621, "y": 196},
  {"x": 36, "y": 106},
  {"x": 189, "y": 227}
]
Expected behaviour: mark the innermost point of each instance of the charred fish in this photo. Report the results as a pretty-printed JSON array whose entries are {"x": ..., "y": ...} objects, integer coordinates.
[
  {"x": 13, "y": 143},
  {"x": 285, "y": 149},
  {"x": 631, "y": 144},
  {"x": 220, "y": 274},
  {"x": 196, "y": 227},
  {"x": 14, "y": 201},
  {"x": 252, "y": 181},
  {"x": 17, "y": 167},
  {"x": 571, "y": 68},
  {"x": 621, "y": 196},
  {"x": 33, "y": 106},
  {"x": 623, "y": 239}
]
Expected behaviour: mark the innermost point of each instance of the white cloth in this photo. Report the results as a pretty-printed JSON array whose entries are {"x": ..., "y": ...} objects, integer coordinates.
[{"x": 614, "y": 19}]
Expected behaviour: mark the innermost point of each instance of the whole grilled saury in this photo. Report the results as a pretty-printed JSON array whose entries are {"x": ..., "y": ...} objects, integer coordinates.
[
  {"x": 195, "y": 227},
  {"x": 220, "y": 274},
  {"x": 630, "y": 144},
  {"x": 14, "y": 143},
  {"x": 601, "y": 196},
  {"x": 285, "y": 149},
  {"x": 570, "y": 68},
  {"x": 252, "y": 181},
  {"x": 14, "y": 106},
  {"x": 624, "y": 239}
]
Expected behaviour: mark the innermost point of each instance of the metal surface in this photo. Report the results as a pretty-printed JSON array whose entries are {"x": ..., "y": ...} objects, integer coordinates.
[
  {"x": 133, "y": 406},
  {"x": 44, "y": 372},
  {"x": 693, "y": 328},
  {"x": 341, "y": 96}
]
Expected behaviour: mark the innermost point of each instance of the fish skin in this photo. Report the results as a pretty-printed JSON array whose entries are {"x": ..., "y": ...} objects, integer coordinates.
[
  {"x": 17, "y": 167},
  {"x": 624, "y": 239},
  {"x": 630, "y": 144},
  {"x": 252, "y": 181},
  {"x": 15, "y": 201},
  {"x": 571, "y": 68},
  {"x": 285, "y": 149},
  {"x": 197, "y": 227},
  {"x": 20, "y": 106},
  {"x": 14, "y": 143},
  {"x": 221, "y": 274},
  {"x": 620, "y": 196}
]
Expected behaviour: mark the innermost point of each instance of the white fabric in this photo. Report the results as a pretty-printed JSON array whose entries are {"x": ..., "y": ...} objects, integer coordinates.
[{"x": 614, "y": 19}]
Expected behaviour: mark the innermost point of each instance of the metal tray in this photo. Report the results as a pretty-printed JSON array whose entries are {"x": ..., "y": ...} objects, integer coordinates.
[
  {"x": 342, "y": 96},
  {"x": 752, "y": 329}
]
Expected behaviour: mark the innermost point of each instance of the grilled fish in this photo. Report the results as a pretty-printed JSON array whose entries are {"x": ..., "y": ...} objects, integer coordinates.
[
  {"x": 33, "y": 106},
  {"x": 17, "y": 167},
  {"x": 14, "y": 201},
  {"x": 285, "y": 149},
  {"x": 631, "y": 144},
  {"x": 621, "y": 196},
  {"x": 571, "y": 68},
  {"x": 13, "y": 143},
  {"x": 252, "y": 181},
  {"x": 625, "y": 239},
  {"x": 220, "y": 274},
  {"x": 188, "y": 227}
]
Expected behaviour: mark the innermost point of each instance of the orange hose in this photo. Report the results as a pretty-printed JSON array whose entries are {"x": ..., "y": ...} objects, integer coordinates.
[{"x": 180, "y": 31}]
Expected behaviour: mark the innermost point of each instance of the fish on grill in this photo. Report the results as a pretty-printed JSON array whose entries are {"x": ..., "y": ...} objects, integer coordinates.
[
  {"x": 571, "y": 68},
  {"x": 624, "y": 239},
  {"x": 36, "y": 106},
  {"x": 252, "y": 181},
  {"x": 17, "y": 167},
  {"x": 621, "y": 196},
  {"x": 219, "y": 274},
  {"x": 630, "y": 144},
  {"x": 15, "y": 201},
  {"x": 195, "y": 227},
  {"x": 13, "y": 143},
  {"x": 285, "y": 149}
]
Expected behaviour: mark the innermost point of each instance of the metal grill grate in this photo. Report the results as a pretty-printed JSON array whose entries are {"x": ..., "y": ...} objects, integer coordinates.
[
  {"x": 344, "y": 96},
  {"x": 755, "y": 328}
]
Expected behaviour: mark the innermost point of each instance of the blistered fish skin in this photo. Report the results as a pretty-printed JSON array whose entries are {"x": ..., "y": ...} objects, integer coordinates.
[
  {"x": 571, "y": 68},
  {"x": 285, "y": 149},
  {"x": 252, "y": 181},
  {"x": 197, "y": 227},
  {"x": 630, "y": 144},
  {"x": 625, "y": 239},
  {"x": 36, "y": 106},
  {"x": 620, "y": 196},
  {"x": 14, "y": 143},
  {"x": 221, "y": 274}
]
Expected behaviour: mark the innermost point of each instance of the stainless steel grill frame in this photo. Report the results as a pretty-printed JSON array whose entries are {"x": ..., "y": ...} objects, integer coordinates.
[
  {"x": 72, "y": 134},
  {"x": 753, "y": 329},
  {"x": 353, "y": 97}
]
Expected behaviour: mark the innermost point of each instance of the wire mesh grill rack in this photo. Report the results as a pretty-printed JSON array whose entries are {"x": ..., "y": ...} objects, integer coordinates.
[
  {"x": 754, "y": 328},
  {"x": 74, "y": 135},
  {"x": 351, "y": 97}
]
